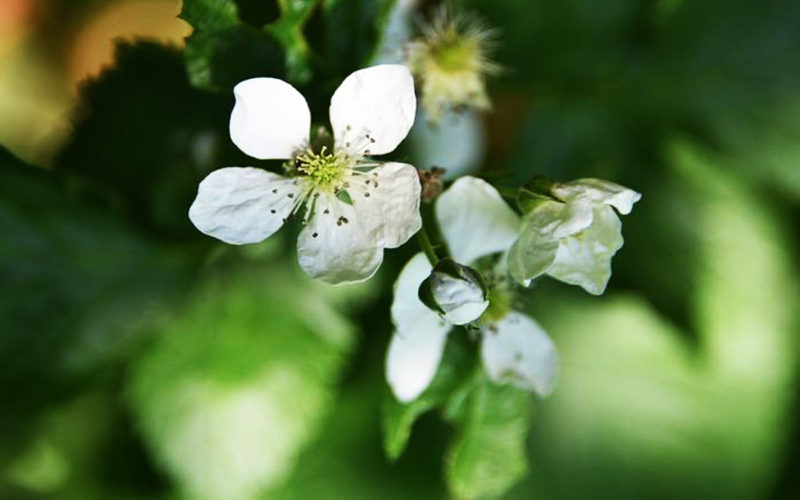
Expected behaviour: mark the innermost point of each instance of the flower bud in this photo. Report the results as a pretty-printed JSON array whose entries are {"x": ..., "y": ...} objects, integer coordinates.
[
  {"x": 455, "y": 291},
  {"x": 450, "y": 60}
]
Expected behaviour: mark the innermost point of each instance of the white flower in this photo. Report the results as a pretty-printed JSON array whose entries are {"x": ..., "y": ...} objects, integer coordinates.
[
  {"x": 354, "y": 206},
  {"x": 475, "y": 222},
  {"x": 573, "y": 240}
]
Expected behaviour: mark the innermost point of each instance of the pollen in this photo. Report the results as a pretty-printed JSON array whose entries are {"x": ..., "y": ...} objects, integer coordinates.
[{"x": 325, "y": 170}]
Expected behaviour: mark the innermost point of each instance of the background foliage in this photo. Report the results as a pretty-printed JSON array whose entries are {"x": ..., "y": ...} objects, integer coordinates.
[{"x": 140, "y": 359}]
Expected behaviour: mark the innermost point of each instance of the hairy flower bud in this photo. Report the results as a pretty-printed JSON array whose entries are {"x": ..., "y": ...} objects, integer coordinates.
[{"x": 450, "y": 60}]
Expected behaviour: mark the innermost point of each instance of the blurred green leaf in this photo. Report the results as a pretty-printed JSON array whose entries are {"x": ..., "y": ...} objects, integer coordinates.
[
  {"x": 489, "y": 456},
  {"x": 144, "y": 138},
  {"x": 245, "y": 374},
  {"x": 85, "y": 286},
  {"x": 639, "y": 412},
  {"x": 353, "y": 29},
  {"x": 83, "y": 292},
  {"x": 222, "y": 50},
  {"x": 398, "y": 418},
  {"x": 289, "y": 30}
]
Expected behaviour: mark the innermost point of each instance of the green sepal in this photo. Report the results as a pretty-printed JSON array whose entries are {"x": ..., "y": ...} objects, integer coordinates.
[{"x": 537, "y": 190}]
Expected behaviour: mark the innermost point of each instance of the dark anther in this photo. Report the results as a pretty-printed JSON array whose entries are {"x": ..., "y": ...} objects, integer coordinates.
[
  {"x": 290, "y": 195},
  {"x": 366, "y": 195},
  {"x": 274, "y": 190},
  {"x": 272, "y": 211},
  {"x": 326, "y": 211},
  {"x": 314, "y": 235}
]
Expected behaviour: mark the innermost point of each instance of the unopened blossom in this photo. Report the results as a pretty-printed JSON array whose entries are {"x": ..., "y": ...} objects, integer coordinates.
[
  {"x": 455, "y": 291},
  {"x": 475, "y": 223},
  {"x": 573, "y": 237},
  {"x": 451, "y": 60},
  {"x": 353, "y": 206}
]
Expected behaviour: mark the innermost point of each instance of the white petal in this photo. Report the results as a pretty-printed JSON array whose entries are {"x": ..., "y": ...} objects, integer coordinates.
[
  {"x": 474, "y": 219},
  {"x": 599, "y": 191},
  {"x": 378, "y": 101},
  {"x": 530, "y": 256},
  {"x": 535, "y": 249},
  {"x": 334, "y": 247},
  {"x": 386, "y": 202},
  {"x": 270, "y": 119},
  {"x": 585, "y": 259},
  {"x": 517, "y": 350},
  {"x": 241, "y": 205},
  {"x": 418, "y": 342}
]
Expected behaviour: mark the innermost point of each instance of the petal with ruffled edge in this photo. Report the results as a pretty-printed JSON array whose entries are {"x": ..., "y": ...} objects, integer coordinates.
[
  {"x": 535, "y": 249},
  {"x": 378, "y": 101},
  {"x": 419, "y": 338},
  {"x": 270, "y": 120},
  {"x": 599, "y": 191},
  {"x": 517, "y": 350},
  {"x": 335, "y": 247},
  {"x": 386, "y": 201},
  {"x": 585, "y": 258},
  {"x": 241, "y": 205},
  {"x": 474, "y": 219}
]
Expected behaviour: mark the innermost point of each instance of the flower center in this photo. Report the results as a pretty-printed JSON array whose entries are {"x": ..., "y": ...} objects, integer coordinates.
[
  {"x": 454, "y": 54},
  {"x": 325, "y": 170}
]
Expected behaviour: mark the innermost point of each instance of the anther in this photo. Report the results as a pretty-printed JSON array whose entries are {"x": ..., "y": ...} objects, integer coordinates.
[
  {"x": 272, "y": 211},
  {"x": 326, "y": 211},
  {"x": 366, "y": 195},
  {"x": 290, "y": 195},
  {"x": 314, "y": 235},
  {"x": 274, "y": 190}
]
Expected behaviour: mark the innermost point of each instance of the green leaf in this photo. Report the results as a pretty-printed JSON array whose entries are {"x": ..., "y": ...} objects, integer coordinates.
[
  {"x": 289, "y": 30},
  {"x": 210, "y": 14},
  {"x": 222, "y": 50},
  {"x": 489, "y": 455},
  {"x": 353, "y": 30},
  {"x": 245, "y": 374},
  {"x": 533, "y": 193},
  {"x": 85, "y": 288},
  {"x": 144, "y": 138},
  {"x": 398, "y": 418}
]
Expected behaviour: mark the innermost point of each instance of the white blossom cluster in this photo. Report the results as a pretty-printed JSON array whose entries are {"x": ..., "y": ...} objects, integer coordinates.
[{"x": 354, "y": 206}]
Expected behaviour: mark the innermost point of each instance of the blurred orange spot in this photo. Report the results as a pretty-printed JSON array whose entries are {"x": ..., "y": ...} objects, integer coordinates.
[
  {"x": 128, "y": 20},
  {"x": 15, "y": 20}
]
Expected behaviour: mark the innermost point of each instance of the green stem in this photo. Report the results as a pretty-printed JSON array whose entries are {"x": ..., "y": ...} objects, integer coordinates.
[{"x": 427, "y": 247}]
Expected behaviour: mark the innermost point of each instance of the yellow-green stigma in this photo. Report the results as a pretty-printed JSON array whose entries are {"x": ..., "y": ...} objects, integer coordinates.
[{"x": 325, "y": 170}]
